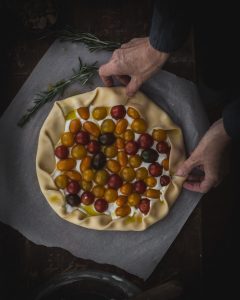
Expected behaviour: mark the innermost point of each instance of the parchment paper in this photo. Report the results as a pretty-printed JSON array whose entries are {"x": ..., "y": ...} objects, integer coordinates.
[{"x": 24, "y": 207}]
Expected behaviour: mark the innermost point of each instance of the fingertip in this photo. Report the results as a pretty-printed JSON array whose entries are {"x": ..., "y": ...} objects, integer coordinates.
[{"x": 192, "y": 186}]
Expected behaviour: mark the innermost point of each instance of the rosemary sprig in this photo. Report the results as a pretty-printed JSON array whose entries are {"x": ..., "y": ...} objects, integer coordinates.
[
  {"x": 83, "y": 75},
  {"x": 92, "y": 42}
]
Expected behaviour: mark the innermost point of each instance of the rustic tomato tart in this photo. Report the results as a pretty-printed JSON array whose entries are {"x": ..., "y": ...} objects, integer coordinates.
[{"x": 107, "y": 162}]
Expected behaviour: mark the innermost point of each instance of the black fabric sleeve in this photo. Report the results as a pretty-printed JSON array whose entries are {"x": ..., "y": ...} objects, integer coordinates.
[
  {"x": 171, "y": 23},
  {"x": 231, "y": 119}
]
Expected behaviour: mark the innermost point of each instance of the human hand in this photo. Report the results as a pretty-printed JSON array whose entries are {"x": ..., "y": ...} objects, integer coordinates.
[
  {"x": 132, "y": 64},
  {"x": 204, "y": 168}
]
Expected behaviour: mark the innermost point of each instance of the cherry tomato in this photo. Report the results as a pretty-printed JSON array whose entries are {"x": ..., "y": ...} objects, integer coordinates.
[
  {"x": 145, "y": 141},
  {"x": 139, "y": 186},
  {"x": 62, "y": 152},
  {"x": 162, "y": 147},
  {"x": 118, "y": 112},
  {"x": 73, "y": 200},
  {"x": 164, "y": 180},
  {"x": 131, "y": 147},
  {"x": 73, "y": 187},
  {"x": 98, "y": 161},
  {"x": 82, "y": 137},
  {"x": 75, "y": 125},
  {"x": 87, "y": 198},
  {"x": 149, "y": 155},
  {"x": 144, "y": 206},
  {"x": 67, "y": 139},
  {"x": 93, "y": 147},
  {"x": 101, "y": 205},
  {"x": 155, "y": 169},
  {"x": 107, "y": 138},
  {"x": 61, "y": 181},
  {"x": 115, "y": 181}
]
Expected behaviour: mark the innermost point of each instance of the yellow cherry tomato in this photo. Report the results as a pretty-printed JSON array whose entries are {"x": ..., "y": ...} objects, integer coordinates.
[
  {"x": 121, "y": 126},
  {"x": 74, "y": 175},
  {"x": 123, "y": 211},
  {"x": 121, "y": 200},
  {"x": 150, "y": 181},
  {"x": 86, "y": 185},
  {"x": 133, "y": 113},
  {"x": 135, "y": 161},
  {"x": 159, "y": 135},
  {"x": 66, "y": 164},
  {"x": 78, "y": 151},
  {"x": 67, "y": 139},
  {"x": 110, "y": 151},
  {"x": 139, "y": 125},
  {"x": 85, "y": 163},
  {"x": 165, "y": 164},
  {"x": 128, "y": 174},
  {"x": 88, "y": 175},
  {"x": 128, "y": 135},
  {"x": 99, "y": 113},
  {"x": 61, "y": 181},
  {"x": 75, "y": 125},
  {"x": 126, "y": 189},
  {"x": 151, "y": 193},
  {"x": 113, "y": 166},
  {"x": 141, "y": 173},
  {"x": 101, "y": 177},
  {"x": 134, "y": 199},
  {"x": 98, "y": 191},
  {"x": 83, "y": 112},
  {"x": 108, "y": 125},
  {"x": 110, "y": 195}
]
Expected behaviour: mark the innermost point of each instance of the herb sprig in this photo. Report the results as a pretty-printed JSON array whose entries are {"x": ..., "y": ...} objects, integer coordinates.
[
  {"x": 92, "y": 42},
  {"x": 84, "y": 73}
]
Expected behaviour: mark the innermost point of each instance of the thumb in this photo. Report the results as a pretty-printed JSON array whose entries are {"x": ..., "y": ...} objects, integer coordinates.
[
  {"x": 133, "y": 86},
  {"x": 186, "y": 167}
]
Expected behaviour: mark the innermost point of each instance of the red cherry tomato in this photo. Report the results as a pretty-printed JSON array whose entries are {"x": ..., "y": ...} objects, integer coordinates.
[
  {"x": 155, "y": 169},
  {"x": 82, "y": 137},
  {"x": 140, "y": 186},
  {"x": 87, "y": 198},
  {"x": 162, "y": 147},
  {"x": 101, "y": 205},
  {"x": 62, "y": 152},
  {"x": 73, "y": 187},
  {"x": 164, "y": 180},
  {"x": 145, "y": 141},
  {"x": 115, "y": 181},
  {"x": 93, "y": 147},
  {"x": 118, "y": 112},
  {"x": 131, "y": 147},
  {"x": 144, "y": 206}
]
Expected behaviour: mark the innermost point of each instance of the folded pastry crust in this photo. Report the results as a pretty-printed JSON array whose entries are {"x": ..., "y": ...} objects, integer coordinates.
[{"x": 50, "y": 134}]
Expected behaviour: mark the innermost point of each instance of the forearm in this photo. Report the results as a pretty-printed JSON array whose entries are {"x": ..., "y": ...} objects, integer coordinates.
[{"x": 170, "y": 24}]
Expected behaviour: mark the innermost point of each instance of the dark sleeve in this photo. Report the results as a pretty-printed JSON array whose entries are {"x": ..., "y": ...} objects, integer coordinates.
[
  {"x": 231, "y": 119},
  {"x": 171, "y": 23}
]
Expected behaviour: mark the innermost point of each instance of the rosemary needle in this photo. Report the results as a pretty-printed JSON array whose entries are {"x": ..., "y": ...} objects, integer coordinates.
[
  {"x": 83, "y": 75},
  {"x": 92, "y": 42}
]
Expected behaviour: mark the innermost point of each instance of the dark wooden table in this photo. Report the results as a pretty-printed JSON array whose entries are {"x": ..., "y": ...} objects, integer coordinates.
[{"x": 24, "y": 265}]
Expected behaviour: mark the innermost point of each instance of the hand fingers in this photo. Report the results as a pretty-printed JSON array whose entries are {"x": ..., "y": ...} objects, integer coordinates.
[
  {"x": 124, "y": 79},
  {"x": 202, "y": 186},
  {"x": 187, "y": 167},
  {"x": 106, "y": 71},
  {"x": 133, "y": 86}
]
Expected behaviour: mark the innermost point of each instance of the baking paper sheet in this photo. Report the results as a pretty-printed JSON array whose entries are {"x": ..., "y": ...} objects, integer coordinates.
[{"x": 24, "y": 207}]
